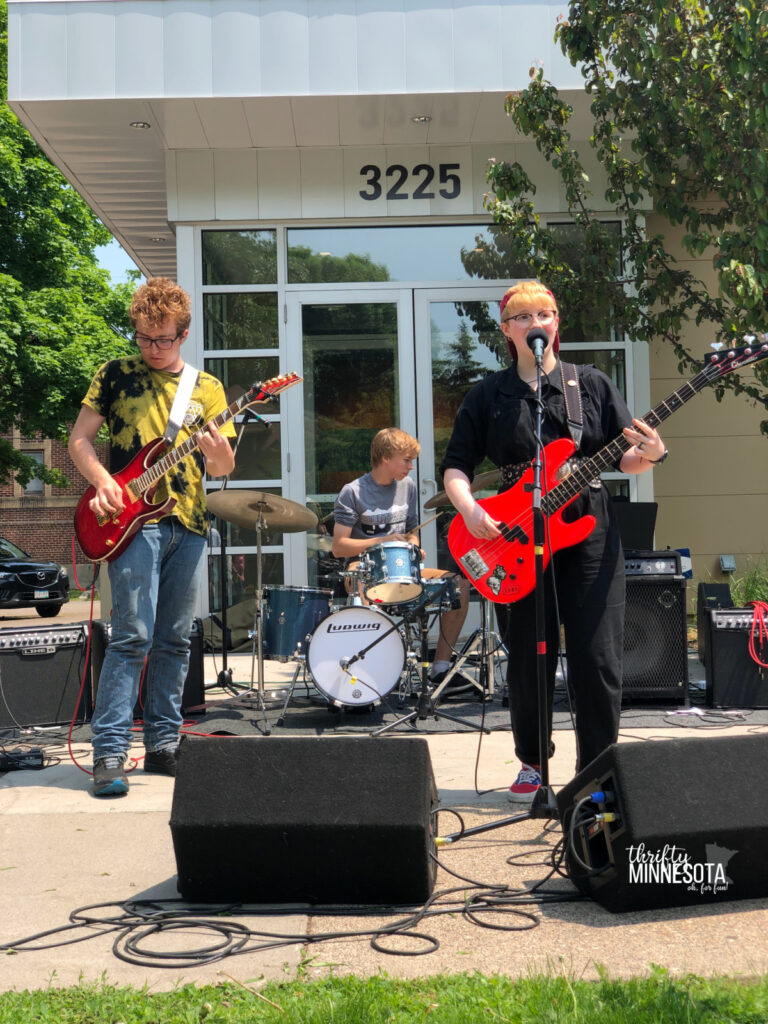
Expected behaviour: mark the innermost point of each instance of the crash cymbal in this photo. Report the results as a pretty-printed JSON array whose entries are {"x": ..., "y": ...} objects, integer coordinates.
[
  {"x": 480, "y": 483},
  {"x": 246, "y": 508}
]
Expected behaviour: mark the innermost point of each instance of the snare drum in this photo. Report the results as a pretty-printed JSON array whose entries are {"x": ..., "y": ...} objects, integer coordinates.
[
  {"x": 338, "y": 639},
  {"x": 290, "y": 615},
  {"x": 393, "y": 569}
]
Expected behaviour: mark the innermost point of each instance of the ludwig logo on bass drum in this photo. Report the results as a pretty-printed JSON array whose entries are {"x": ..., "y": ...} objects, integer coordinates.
[{"x": 353, "y": 627}]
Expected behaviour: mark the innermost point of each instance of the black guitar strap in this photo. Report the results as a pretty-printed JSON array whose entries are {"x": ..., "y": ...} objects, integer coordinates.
[{"x": 572, "y": 398}]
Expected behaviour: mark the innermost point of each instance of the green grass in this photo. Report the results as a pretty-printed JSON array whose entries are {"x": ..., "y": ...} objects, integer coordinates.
[{"x": 454, "y": 999}]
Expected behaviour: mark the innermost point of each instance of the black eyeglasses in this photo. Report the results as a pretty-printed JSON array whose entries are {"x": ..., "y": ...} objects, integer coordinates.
[{"x": 162, "y": 343}]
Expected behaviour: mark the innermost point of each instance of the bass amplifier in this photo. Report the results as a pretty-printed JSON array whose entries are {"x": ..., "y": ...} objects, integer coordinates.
[
  {"x": 655, "y": 628},
  {"x": 41, "y": 670},
  {"x": 193, "y": 697},
  {"x": 734, "y": 679}
]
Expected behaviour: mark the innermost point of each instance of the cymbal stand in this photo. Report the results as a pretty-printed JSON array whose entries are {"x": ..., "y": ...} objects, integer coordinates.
[
  {"x": 258, "y": 653},
  {"x": 485, "y": 642},
  {"x": 426, "y": 706}
]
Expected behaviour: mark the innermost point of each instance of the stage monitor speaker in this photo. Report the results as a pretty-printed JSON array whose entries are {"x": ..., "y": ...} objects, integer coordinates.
[
  {"x": 41, "y": 668},
  {"x": 193, "y": 697},
  {"x": 691, "y": 823},
  {"x": 734, "y": 679},
  {"x": 655, "y": 628},
  {"x": 709, "y": 595},
  {"x": 343, "y": 819}
]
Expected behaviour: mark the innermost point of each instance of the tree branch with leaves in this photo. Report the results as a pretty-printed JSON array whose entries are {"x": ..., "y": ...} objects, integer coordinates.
[{"x": 679, "y": 100}]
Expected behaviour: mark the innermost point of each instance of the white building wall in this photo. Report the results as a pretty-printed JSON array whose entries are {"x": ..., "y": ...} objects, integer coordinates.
[{"x": 165, "y": 48}]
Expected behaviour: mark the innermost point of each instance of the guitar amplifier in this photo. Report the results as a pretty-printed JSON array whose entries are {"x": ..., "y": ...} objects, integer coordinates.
[
  {"x": 734, "y": 679},
  {"x": 655, "y": 628},
  {"x": 709, "y": 595},
  {"x": 41, "y": 670},
  {"x": 193, "y": 697}
]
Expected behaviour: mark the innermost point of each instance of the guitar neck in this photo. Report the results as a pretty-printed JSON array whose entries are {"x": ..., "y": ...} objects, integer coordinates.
[
  {"x": 151, "y": 475},
  {"x": 608, "y": 456}
]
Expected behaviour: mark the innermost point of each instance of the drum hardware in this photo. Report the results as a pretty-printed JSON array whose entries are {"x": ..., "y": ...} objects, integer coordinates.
[
  {"x": 483, "y": 644},
  {"x": 262, "y": 512},
  {"x": 300, "y": 668},
  {"x": 426, "y": 702}
]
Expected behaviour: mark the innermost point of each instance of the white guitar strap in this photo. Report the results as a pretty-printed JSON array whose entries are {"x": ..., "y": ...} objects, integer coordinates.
[{"x": 181, "y": 401}]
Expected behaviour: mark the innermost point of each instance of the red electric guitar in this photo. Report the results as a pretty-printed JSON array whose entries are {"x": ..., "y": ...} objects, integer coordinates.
[
  {"x": 103, "y": 537},
  {"x": 504, "y": 570}
]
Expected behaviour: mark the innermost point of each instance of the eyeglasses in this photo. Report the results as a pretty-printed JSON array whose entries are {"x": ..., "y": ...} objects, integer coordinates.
[
  {"x": 162, "y": 343},
  {"x": 544, "y": 316}
]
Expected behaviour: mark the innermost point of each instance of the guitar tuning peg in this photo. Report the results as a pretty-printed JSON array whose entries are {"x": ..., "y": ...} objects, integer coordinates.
[
  {"x": 717, "y": 345},
  {"x": 749, "y": 338}
]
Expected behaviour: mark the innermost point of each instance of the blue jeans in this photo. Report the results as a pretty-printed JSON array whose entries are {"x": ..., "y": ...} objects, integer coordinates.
[{"x": 155, "y": 584}]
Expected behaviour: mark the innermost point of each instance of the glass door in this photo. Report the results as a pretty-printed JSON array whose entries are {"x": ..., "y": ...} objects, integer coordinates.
[
  {"x": 458, "y": 342},
  {"x": 355, "y": 350}
]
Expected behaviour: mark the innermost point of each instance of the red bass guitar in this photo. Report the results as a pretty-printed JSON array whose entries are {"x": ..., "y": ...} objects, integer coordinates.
[
  {"x": 504, "y": 569},
  {"x": 103, "y": 537}
]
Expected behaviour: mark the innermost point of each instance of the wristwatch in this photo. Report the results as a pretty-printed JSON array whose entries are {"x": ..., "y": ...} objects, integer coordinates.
[{"x": 658, "y": 462}]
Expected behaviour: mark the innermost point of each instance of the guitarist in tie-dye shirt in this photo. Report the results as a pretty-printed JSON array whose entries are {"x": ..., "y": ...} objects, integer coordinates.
[{"x": 155, "y": 580}]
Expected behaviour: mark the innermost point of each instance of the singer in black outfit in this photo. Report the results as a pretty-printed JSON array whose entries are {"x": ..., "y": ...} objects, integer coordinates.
[{"x": 497, "y": 419}]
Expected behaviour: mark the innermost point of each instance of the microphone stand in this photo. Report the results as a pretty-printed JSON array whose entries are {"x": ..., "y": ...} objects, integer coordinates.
[{"x": 543, "y": 804}]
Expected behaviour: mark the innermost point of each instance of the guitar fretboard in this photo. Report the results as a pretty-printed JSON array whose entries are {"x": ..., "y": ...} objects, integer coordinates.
[
  {"x": 141, "y": 484},
  {"x": 609, "y": 456}
]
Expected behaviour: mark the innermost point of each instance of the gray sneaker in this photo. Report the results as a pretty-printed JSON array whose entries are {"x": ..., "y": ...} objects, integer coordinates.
[{"x": 109, "y": 777}]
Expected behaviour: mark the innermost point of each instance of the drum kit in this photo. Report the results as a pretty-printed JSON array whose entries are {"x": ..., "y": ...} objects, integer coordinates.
[{"x": 356, "y": 654}]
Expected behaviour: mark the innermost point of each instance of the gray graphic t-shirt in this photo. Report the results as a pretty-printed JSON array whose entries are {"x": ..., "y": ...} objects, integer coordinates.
[{"x": 373, "y": 510}]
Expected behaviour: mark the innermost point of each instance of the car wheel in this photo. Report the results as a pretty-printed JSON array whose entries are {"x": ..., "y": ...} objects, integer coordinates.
[{"x": 47, "y": 611}]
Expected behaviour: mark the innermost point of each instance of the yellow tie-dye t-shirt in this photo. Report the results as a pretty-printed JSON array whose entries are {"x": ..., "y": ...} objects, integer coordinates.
[{"x": 136, "y": 401}]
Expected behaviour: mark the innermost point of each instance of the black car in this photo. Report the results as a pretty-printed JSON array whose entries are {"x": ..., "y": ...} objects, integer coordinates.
[{"x": 25, "y": 583}]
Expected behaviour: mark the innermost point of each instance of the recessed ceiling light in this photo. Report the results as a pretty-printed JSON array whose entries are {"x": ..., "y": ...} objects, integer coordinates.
[
  {"x": 157, "y": 238},
  {"x": 421, "y": 119},
  {"x": 140, "y": 125}
]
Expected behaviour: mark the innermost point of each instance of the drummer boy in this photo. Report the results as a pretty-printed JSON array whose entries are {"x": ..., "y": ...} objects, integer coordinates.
[{"x": 382, "y": 506}]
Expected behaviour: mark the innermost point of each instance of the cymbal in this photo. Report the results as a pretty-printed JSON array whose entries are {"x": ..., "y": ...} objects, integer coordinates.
[
  {"x": 245, "y": 508},
  {"x": 481, "y": 482}
]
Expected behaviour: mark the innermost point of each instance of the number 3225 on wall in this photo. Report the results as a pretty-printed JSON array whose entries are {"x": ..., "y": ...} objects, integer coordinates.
[{"x": 423, "y": 175}]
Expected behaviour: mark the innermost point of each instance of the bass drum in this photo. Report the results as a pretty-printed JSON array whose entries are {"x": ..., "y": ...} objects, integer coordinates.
[{"x": 341, "y": 636}]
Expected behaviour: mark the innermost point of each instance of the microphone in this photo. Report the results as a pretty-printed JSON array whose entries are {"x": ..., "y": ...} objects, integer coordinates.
[{"x": 537, "y": 341}]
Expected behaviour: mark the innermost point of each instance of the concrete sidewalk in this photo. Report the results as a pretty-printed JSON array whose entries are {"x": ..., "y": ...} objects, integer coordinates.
[{"x": 61, "y": 849}]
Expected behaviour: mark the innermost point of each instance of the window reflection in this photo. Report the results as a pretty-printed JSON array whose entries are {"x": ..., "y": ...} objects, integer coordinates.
[
  {"x": 258, "y": 454},
  {"x": 240, "y": 320},
  {"x": 410, "y": 253},
  {"x": 611, "y": 361},
  {"x": 238, "y": 373},
  {"x": 239, "y": 257},
  {"x": 350, "y": 389},
  {"x": 240, "y": 576}
]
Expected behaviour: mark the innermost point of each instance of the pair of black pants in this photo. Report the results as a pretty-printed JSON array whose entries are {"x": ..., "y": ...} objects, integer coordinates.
[{"x": 590, "y": 586}]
